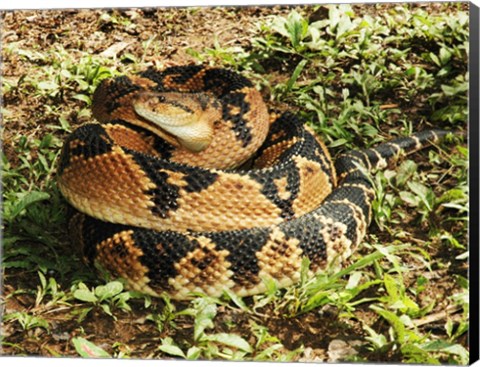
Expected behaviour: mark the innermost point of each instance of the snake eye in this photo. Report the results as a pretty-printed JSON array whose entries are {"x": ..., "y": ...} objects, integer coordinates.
[{"x": 161, "y": 99}]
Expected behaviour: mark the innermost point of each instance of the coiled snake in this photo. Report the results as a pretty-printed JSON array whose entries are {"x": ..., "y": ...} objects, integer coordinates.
[{"x": 188, "y": 185}]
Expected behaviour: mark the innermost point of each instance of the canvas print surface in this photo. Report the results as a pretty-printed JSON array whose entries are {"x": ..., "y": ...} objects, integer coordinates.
[{"x": 258, "y": 183}]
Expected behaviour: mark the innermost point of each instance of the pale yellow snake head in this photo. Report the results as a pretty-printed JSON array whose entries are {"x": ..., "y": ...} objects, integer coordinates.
[{"x": 182, "y": 119}]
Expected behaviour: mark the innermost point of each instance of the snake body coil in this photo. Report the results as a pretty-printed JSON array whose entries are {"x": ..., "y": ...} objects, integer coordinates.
[{"x": 169, "y": 210}]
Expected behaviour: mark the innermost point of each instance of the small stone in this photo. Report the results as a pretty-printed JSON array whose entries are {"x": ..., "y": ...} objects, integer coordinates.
[{"x": 340, "y": 350}]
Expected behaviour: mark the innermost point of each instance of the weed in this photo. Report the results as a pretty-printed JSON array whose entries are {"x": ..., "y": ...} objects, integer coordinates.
[
  {"x": 88, "y": 349},
  {"x": 166, "y": 318},
  {"x": 229, "y": 346},
  {"x": 108, "y": 296},
  {"x": 26, "y": 320},
  {"x": 207, "y": 346}
]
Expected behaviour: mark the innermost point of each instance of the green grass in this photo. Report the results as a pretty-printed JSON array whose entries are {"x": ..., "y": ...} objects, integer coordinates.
[{"x": 359, "y": 75}]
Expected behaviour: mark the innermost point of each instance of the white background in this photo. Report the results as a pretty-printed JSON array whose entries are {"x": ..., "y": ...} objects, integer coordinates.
[{"x": 63, "y": 4}]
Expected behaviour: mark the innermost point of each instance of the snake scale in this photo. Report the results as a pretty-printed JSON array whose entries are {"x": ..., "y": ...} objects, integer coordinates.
[{"x": 190, "y": 185}]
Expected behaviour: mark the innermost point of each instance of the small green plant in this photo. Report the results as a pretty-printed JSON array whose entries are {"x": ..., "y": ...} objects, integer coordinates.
[
  {"x": 107, "y": 297},
  {"x": 415, "y": 347},
  {"x": 461, "y": 299},
  {"x": 404, "y": 316},
  {"x": 87, "y": 349},
  {"x": 51, "y": 290},
  {"x": 208, "y": 346},
  {"x": 224, "y": 345},
  {"x": 165, "y": 319},
  {"x": 419, "y": 197},
  {"x": 27, "y": 320}
]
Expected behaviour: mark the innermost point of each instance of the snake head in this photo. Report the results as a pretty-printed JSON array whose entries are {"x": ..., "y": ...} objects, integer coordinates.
[{"x": 182, "y": 119}]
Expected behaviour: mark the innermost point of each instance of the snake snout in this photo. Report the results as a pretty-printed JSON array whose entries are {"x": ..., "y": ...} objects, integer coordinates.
[{"x": 184, "y": 119}]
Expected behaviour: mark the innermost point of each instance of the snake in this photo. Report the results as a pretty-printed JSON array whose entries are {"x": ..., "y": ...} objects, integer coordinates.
[{"x": 187, "y": 184}]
